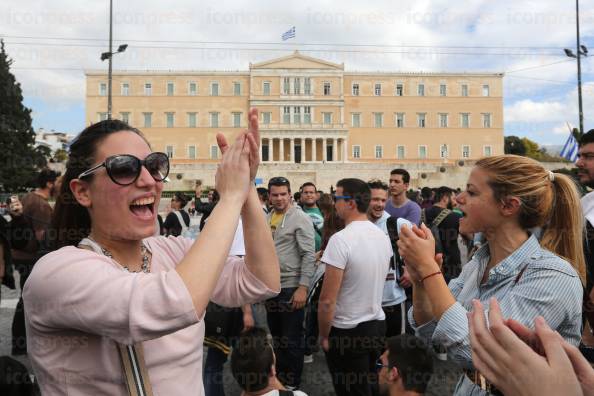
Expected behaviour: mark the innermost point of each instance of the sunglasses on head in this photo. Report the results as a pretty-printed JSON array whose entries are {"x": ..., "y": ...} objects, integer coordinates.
[
  {"x": 278, "y": 180},
  {"x": 124, "y": 169}
]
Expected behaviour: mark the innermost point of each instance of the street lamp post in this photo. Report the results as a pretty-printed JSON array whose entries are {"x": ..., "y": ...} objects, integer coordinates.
[
  {"x": 581, "y": 51},
  {"x": 109, "y": 55}
]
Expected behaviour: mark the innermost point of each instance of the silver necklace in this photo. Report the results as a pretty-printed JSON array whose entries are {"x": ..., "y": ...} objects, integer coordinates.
[{"x": 145, "y": 267}]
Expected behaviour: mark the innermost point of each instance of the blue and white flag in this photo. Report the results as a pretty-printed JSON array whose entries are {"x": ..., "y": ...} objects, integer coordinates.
[
  {"x": 289, "y": 34},
  {"x": 570, "y": 150}
]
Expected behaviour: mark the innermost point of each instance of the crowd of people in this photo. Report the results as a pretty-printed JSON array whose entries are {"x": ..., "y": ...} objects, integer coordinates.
[{"x": 383, "y": 279}]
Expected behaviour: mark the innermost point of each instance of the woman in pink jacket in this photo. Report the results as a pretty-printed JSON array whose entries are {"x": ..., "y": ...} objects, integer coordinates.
[{"x": 111, "y": 284}]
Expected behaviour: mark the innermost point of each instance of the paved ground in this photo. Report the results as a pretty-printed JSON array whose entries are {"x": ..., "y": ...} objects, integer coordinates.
[{"x": 316, "y": 379}]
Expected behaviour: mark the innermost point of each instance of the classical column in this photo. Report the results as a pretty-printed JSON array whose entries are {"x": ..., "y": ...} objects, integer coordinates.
[
  {"x": 292, "y": 156},
  {"x": 334, "y": 149},
  {"x": 325, "y": 148},
  {"x": 261, "y": 144},
  {"x": 271, "y": 149},
  {"x": 313, "y": 149},
  {"x": 344, "y": 150},
  {"x": 281, "y": 143}
]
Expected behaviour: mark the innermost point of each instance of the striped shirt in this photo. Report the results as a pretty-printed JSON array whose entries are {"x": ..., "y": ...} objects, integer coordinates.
[{"x": 548, "y": 286}]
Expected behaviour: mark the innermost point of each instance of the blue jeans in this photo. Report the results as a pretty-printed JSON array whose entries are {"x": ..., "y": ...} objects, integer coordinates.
[
  {"x": 213, "y": 372},
  {"x": 286, "y": 327}
]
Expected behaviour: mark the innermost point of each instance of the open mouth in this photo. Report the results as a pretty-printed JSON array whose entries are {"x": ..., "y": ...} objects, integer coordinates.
[{"x": 143, "y": 207}]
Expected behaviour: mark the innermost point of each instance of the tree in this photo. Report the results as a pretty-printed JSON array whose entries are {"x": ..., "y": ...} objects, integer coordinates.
[
  {"x": 60, "y": 155},
  {"x": 19, "y": 160},
  {"x": 514, "y": 145}
]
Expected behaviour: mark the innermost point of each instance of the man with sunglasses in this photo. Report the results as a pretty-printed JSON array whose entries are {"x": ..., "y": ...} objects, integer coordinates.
[
  {"x": 293, "y": 236},
  {"x": 405, "y": 367},
  {"x": 351, "y": 320}
]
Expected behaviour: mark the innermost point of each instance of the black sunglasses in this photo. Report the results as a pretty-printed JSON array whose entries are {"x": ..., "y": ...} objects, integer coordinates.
[
  {"x": 278, "y": 181},
  {"x": 124, "y": 169}
]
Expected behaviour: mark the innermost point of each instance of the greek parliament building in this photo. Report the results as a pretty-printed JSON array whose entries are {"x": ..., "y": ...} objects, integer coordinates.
[{"x": 318, "y": 122}]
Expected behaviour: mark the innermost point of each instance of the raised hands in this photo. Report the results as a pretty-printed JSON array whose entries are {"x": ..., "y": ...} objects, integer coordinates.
[
  {"x": 417, "y": 248},
  {"x": 252, "y": 139},
  {"x": 515, "y": 368}
]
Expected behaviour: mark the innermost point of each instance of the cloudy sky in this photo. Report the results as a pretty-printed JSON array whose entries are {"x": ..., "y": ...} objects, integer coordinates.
[{"x": 52, "y": 43}]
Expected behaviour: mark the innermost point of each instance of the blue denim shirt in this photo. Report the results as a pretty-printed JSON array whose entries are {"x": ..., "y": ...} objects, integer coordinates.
[{"x": 549, "y": 286}]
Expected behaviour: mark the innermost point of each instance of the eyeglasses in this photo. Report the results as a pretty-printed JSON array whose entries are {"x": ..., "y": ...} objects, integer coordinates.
[
  {"x": 124, "y": 169},
  {"x": 380, "y": 365},
  {"x": 335, "y": 198}
]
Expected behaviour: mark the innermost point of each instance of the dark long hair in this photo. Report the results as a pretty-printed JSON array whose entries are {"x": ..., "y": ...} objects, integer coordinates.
[{"x": 71, "y": 221}]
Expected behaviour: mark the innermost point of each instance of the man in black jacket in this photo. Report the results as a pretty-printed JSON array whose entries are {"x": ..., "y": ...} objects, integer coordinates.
[{"x": 447, "y": 223}]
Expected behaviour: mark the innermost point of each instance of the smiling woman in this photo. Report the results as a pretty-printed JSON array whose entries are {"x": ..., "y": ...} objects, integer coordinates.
[{"x": 111, "y": 286}]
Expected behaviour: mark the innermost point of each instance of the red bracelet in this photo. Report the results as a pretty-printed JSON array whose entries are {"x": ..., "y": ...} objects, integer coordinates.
[{"x": 430, "y": 275}]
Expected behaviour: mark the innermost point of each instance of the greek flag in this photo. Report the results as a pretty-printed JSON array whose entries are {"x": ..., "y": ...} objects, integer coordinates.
[
  {"x": 289, "y": 34},
  {"x": 570, "y": 150}
]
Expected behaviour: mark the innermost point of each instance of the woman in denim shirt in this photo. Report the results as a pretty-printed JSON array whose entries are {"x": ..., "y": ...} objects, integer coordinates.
[{"x": 506, "y": 196}]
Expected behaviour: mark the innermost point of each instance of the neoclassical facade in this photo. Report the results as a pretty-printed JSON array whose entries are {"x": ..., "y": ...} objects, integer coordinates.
[{"x": 315, "y": 117}]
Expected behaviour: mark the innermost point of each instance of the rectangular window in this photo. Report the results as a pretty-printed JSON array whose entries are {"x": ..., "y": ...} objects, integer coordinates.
[
  {"x": 192, "y": 89},
  {"x": 377, "y": 91},
  {"x": 266, "y": 118},
  {"x": 214, "y": 152},
  {"x": 443, "y": 151},
  {"x": 464, "y": 120},
  {"x": 307, "y": 86},
  {"x": 286, "y": 114},
  {"x": 297, "y": 86},
  {"x": 170, "y": 119},
  {"x": 170, "y": 89},
  {"x": 421, "y": 120},
  {"x": 286, "y": 85},
  {"x": 421, "y": 90},
  {"x": 465, "y": 151},
  {"x": 400, "y": 152},
  {"x": 422, "y": 152},
  {"x": 266, "y": 88},
  {"x": 356, "y": 120},
  {"x": 443, "y": 120},
  {"x": 486, "y": 90},
  {"x": 214, "y": 89},
  {"x": 297, "y": 115},
  {"x": 214, "y": 120},
  {"x": 125, "y": 117},
  {"x": 487, "y": 151},
  {"x": 169, "y": 151},
  {"x": 378, "y": 120},
  {"x": 148, "y": 119},
  {"x": 355, "y": 89},
  {"x": 236, "y": 120},
  {"x": 326, "y": 88},
  {"x": 379, "y": 152},
  {"x": 356, "y": 151},
  {"x": 307, "y": 115},
  {"x": 125, "y": 89},
  {"x": 486, "y": 120},
  {"x": 236, "y": 89},
  {"x": 148, "y": 89},
  {"x": 192, "y": 120},
  {"x": 101, "y": 116},
  {"x": 399, "y": 90},
  {"x": 327, "y": 118},
  {"x": 399, "y": 120},
  {"x": 103, "y": 89},
  {"x": 464, "y": 90},
  {"x": 192, "y": 152},
  {"x": 443, "y": 90}
]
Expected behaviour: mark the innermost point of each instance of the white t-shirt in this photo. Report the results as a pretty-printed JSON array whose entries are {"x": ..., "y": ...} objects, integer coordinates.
[{"x": 363, "y": 251}]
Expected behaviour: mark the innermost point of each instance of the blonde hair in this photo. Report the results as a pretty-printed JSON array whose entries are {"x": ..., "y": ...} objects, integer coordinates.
[{"x": 549, "y": 200}]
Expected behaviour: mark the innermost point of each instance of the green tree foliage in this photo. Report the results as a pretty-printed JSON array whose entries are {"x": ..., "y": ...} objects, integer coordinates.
[
  {"x": 60, "y": 155},
  {"x": 514, "y": 145},
  {"x": 20, "y": 160}
]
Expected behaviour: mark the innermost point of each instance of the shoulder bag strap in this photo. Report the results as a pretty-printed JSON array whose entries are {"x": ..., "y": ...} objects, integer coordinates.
[
  {"x": 135, "y": 371},
  {"x": 441, "y": 217},
  {"x": 181, "y": 221}
]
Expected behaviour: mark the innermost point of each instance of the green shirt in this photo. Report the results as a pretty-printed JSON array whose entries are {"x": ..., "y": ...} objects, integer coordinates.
[{"x": 318, "y": 221}]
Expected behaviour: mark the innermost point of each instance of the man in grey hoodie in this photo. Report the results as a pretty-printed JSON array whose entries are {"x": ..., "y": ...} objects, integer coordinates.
[{"x": 293, "y": 234}]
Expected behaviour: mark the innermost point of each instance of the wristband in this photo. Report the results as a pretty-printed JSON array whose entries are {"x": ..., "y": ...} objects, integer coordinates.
[{"x": 430, "y": 275}]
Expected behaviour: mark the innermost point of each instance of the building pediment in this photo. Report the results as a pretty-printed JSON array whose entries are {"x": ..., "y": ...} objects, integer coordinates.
[{"x": 297, "y": 61}]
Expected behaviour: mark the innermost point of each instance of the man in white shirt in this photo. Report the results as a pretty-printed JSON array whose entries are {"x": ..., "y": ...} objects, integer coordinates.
[{"x": 350, "y": 315}]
